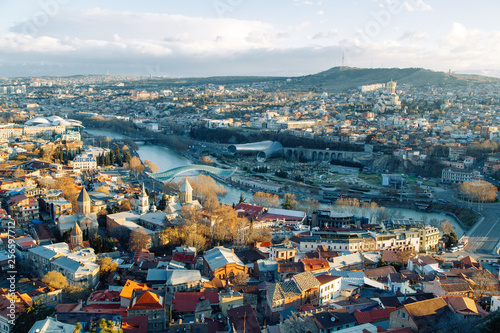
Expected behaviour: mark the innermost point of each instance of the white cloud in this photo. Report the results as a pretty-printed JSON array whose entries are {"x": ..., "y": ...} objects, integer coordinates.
[
  {"x": 330, "y": 34},
  {"x": 413, "y": 35}
]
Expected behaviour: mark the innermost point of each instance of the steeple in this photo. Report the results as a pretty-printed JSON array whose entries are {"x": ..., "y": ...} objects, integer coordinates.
[
  {"x": 143, "y": 206},
  {"x": 83, "y": 201},
  {"x": 76, "y": 236},
  {"x": 186, "y": 192}
]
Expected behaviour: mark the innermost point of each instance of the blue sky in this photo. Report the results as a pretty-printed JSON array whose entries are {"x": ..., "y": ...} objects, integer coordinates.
[{"x": 245, "y": 37}]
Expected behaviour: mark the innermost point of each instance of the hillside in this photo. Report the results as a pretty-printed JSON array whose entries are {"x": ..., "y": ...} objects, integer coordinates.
[{"x": 339, "y": 79}]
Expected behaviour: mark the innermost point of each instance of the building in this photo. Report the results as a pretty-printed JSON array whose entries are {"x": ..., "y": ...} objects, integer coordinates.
[
  {"x": 174, "y": 280},
  {"x": 222, "y": 263},
  {"x": 282, "y": 253},
  {"x": 78, "y": 273},
  {"x": 23, "y": 209},
  {"x": 329, "y": 219},
  {"x": 51, "y": 325},
  {"x": 389, "y": 100},
  {"x": 429, "y": 237},
  {"x": 432, "y": 315},
  {"x": 300, "y": 289},
  {"x": 143, "y": 204},
  {"x": 152, "y": 304},
  {"x": 84, "y": 162},
  {"x": 450, "y": 175},
  {"x": 454, "y": 152},
  {"x": 329, "y": 289},
  {"x": 86, "y": 220}
]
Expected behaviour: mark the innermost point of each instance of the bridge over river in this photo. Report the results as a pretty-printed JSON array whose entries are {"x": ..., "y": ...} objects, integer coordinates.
[{"x": 169, "y": 174}]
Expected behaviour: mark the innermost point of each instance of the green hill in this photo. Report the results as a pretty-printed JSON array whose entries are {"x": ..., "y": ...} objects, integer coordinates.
[{"x": 340, "y": 79}]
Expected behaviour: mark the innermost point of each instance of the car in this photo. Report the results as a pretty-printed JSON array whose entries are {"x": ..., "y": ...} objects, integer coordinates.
[{"x": 495, "y": 264}]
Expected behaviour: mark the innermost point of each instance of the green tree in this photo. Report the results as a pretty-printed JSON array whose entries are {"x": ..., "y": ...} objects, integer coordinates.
[
  {"x": 34, "y": 313},
  {"x": 163, "y": 202},
  {"x": 242, "y": 198}
]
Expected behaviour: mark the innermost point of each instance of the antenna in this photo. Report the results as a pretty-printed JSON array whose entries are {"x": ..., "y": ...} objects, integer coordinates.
[{"x": 343, "y": 59}]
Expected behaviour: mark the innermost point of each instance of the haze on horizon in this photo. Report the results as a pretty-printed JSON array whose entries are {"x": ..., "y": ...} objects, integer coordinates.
[{"x": 243, "y": 37}]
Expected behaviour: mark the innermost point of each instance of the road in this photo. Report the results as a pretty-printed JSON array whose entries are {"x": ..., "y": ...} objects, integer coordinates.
[{"x": 485, "y": 234}]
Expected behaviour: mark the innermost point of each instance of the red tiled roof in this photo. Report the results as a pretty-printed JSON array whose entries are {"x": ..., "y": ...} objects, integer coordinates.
[
  {"x": 105, "y": 308},
  {"x": 248, "y": 210},
  {"x": 315, "y": 264},
  {"x": 372, "y": 316},
  {"x": 184, "y": 258},
  {"x": 186, "y": 301}
]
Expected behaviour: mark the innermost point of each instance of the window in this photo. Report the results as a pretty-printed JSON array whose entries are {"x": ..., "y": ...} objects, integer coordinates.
[{"x": 403, "y": 315}]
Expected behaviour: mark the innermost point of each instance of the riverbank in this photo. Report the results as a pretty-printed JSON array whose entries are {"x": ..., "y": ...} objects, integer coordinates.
[{"x": 167, "y": 159}]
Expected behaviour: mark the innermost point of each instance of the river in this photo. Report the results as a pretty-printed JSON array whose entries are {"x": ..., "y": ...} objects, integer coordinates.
[{"x": 167, "y": 159}]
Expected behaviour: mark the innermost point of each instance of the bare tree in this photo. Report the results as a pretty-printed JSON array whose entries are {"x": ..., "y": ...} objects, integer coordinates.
[
  {"x": 447, "y": 227},
  {"x": 206, "y": 160},
  {"x": 139, "y": 239},
  {"x": 241, "y": 278},
  {"x": 152, "y": 167},
  {"x": 266, "y": 199},
  {"x": 484, "y": 282}
]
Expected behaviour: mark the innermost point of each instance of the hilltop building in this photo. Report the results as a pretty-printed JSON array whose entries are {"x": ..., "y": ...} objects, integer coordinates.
[{"x": 389, "y": 101}]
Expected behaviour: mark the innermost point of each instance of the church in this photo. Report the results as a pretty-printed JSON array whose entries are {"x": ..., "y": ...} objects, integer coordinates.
[
  {"x": 174, "y": 206},
  {"x": 86, "y": 220}
]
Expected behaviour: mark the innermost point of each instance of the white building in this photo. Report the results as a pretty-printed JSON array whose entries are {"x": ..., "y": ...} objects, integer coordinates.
[
  {"x": 78, "y": 273},
  {"x": 450, "y": 175},
  {"x": 329, "y": 288},
  {"x": 84, "y": 162}
]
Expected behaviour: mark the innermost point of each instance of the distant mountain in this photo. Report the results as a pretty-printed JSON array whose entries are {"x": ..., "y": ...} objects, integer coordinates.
[{"x": 340, "y": 79}]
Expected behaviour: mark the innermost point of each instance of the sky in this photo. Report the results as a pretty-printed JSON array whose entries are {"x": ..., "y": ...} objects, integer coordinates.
[{"x": 198, "y": 38}]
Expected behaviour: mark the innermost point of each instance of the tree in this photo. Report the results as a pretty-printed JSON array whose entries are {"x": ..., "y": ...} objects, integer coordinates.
[
  {"x": 106, "y": 267},
  {"x": 289, "y": 201},
  {"x": 484, "y": 282},
  {"x": 163, "y": 202},
  {"x": 381, "y": 263},
  {"x": 136, "y": 165},
  {"x": 309, "y": 205},
  {"x": 266, "y": 199},
  {"x": 55, "y": 280},
  {"x": 206, "y": 160},
  {"x": 102, "y": 189},
  {"x": 241, "y": 278},
  {"x": 171, "y": 187},
  {"x": 37, "y": 311},
  {"x": 70, "y": 192},
  {"x": 76, "y": 293},
  {"x": 205, "y": 187},
  {"x": 297, "y": 324},
  {"x": 447, "y": 227},
  {"x": 125, "y": 206},
  {"x": 347, "y": 204},
  {"x": 139, "y": 239},
  {"x": 152, "y": 167},
  {"x": 242, "y": 198},
  {"x": 19, "y": 173}
]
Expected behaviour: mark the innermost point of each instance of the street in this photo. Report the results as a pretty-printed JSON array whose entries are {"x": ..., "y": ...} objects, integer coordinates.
[{"x": 485, "y": 234}]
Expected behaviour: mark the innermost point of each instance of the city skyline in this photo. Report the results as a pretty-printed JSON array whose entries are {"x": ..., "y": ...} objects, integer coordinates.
[{"x": 236, "y": 37}]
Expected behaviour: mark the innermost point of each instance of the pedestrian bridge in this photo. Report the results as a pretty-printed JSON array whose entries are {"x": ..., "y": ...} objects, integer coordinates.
[{"x": 166, "y": 175}]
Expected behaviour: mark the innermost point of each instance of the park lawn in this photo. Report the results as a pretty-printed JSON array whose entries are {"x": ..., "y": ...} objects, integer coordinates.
[{"x": 374, "y": 179}]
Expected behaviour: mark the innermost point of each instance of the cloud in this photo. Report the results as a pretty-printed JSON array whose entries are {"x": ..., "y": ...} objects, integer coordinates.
[
  {"x": 152, "y": 33},
  {"x": 326, "y": 34},
  {"x": 413, "y": 35}
]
